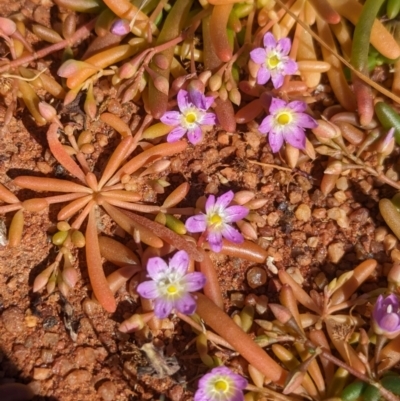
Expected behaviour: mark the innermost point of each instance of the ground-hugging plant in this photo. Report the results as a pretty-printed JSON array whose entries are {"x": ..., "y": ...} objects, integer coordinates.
[{"x": 227, "y": 63}]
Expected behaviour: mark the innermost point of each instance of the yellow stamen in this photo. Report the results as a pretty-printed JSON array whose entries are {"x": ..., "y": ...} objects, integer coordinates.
[
  {"x": 172, "y": 289},
  {"x": 273, "y": 61},
  {"x": 215, "y": 219},
  {"x": 190, "y": 118},
  {"x": 221, "y": 386},
  {"x": 284, "y": 118}
]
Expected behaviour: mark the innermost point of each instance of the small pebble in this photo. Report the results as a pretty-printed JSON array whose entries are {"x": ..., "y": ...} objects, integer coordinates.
[
  {"x": 237, "y": 299},
  {"x": 62, "y": 366},
  {"x": 342, "y": 183},
  {"x": 312, "y": 242},
  {"x": 335, "y": 252},
  {"x": 13, "y": 320},
  {"x": 107, "y": 391},
  {"x": 41, "y": 373},
  {"x": 250, "y": 180},
  {"x": 78, "y": 377},
  {"x": 295, "y": 197},
  {"x": 85, "y": 356},
  {"x": 256, "y": 277},
  {"x": 303, "y": 212}
]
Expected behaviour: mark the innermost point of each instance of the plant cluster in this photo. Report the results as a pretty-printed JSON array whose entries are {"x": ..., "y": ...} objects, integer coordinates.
[{"x": 189, "y": 67}]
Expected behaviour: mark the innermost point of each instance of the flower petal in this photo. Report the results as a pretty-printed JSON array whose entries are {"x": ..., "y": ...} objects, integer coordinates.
[
  {"x": 194, "y": 281},
  {"x": 171, "y": 118},
  {"x": 269, "y": 40},
  {"x": 258, "y": 55},
  {"x": 162, "y": 307},
  {"x": 148, "y": 290},
  {"x": 390, "y": 322},
  {"x": 208, "y": 119},
  {"x": 179, "y": 263},
  {"x": 156, "y": 268},
  {"x": 176, "y": 134},
  {"x": 276, "y": 105},
  {"x": 196, "y": 98},
  {"x": 283, "y": 46},
  {"x": 201, "y": 395},
  {"x": 208, "y": 101},
  {"x": 196, "y": 224},
  {"x": 224, "y": 200},
  {"x": 183, "y": 100},
  {"x": 195, "y": 135},
  {"x": 266, "y": 125},
  {"x": 304, "y": 120},
  {"x": 186, "y": 304},
  {"x": 231, "y": 234},
  {"x": 290, "y": 67},
  {"x": 295, "y": 136},
  {"x": 215, "y": 241},
  {"x": 277, "y": 80},
  {"x": 263, "y": 75},
  {"x": 235, "y": 213},
  {"x": 210, "y": 202},
  {"x": 298, "y": 106},
  {"x": 275, "y": 140}
]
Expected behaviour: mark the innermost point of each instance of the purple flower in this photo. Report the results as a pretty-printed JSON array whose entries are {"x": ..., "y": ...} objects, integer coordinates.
[
  {"x": 221, "y": 384},
  {"x": 170, "y": 285},
  {"x": 216, "y": 221},
  {"x": 386, "y": 316},
  {"x": 273, "y": 60},
  {"x": 286, "y": 122},
  {"x": 120, "y": 27},
  {"x": 192, "y": 115}
]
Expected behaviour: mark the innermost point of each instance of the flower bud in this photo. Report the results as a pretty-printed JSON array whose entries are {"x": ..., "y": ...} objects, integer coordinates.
[
  {"x": 120, "y": 27},
  {"x": 386, "y": 316},
  {"x": 215, "y": 82},
  {"x": 161, "y": 84},
  {"x": 47, "y": 111},
  {"x": 7, "y": 26}
]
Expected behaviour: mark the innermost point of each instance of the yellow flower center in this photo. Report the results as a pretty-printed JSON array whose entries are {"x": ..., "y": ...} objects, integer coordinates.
[
  {"x": 221, "y": 386},
  {"x": 215, "y": 220},
  {"x": 284, "y": 118},
  {"x": 190, "y": 118},
  {"x": 273, "y": 61},
  {"x": 172, "y": 289}
]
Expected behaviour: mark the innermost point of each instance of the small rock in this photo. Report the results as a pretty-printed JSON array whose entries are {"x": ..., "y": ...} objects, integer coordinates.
[
  {"x": 107, "y": 391},
  {"x": 303, "y": 212},
  {"x": 78, "y": 377},
  {"x": 335, "y": 251},
  {"x": 256, "y": 277},
  {"x": 50, "y": 339},
  {"x": 41, "y": 373},
  {"x": 359, "y": 216},
  {"x": 13, "y": 320},
  {"x": 62, "y": 366},
  {"x": 85, "y": 356},
  {"x": 250, "y": 180},
  {"x": 223, "y": 138}
]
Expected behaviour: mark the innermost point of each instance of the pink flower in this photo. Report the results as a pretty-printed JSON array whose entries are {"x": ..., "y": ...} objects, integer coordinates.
[
  {"x": 286, "y": 122},
  {"x": 216, "y": 221},
  {"x": 386, "y": 316},
  {"x": 190, "y": 117},
  {"x": 221, "y": 384},
  {"x": 120, "y": 27},
  {"x": 273, "y": 60},
  {"x": 170, "y": 285}
]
